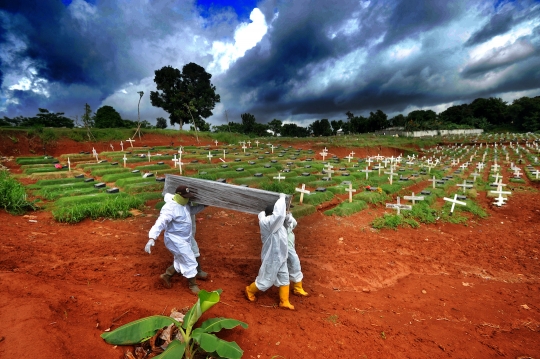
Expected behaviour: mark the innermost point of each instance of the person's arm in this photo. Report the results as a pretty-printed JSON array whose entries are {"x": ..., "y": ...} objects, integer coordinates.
[
  {"x": 276, "y": 219},
  {"x": 163, "y": 220}
]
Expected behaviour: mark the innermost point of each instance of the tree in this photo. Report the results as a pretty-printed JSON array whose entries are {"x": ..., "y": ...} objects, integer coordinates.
[
  {"x": 185, "y": 95},
  {"x": 108, "y": 117},
  {"x": 275, "y": 126},
  {"x": 525, "y": 113},
  {"x": 336, "y": 125},
  {"x": 48, "y": 119},
  {"x": 293, "y": 130},
  {"x": 493, "y": 109},
  {"x": 161, "y": 123},
  {"x": 87, "y": 119},
  {"x": 377, "y": 120},
  {"x": 397, "y": 121},
  {"x": 321, "y": 127},
  {"x": 248, "y": 122}
]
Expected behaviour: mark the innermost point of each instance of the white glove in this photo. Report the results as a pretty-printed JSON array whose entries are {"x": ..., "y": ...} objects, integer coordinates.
[{"x": 149, "y": 245}]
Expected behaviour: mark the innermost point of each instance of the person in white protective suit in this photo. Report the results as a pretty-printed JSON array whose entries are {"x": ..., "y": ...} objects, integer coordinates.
[
  {"x": 202, "y": 275},
  {"x": 273, "y": 269},
  {"x": 175, "y": 219},
  {"x": 293, "y": 261}
]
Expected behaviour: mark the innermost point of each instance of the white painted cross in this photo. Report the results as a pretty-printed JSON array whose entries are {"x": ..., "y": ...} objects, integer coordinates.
[
  {"x": 122, "y": 145},
  {"x": 180, "y": 153},
  {"x": 149, "y": 156},
  {"x": 329, "y": 170},
  {"x": 391, "y": 174},
  {"x": 349, "y": 157},
  {"x": 368, "y": 161},
  {"x": 323, "y": 154},
  {"x": 454, "y": 202},
  {"x": 180, "y": 165},
  {"x": 279, "y": 177},
  {"x": 414, "y": 198},
  {"x": 495, "y": 167},
  {"x": 249, "y": 143},
  {"x": 302, "y": 191},
  {"x": 257, "y": 142},
  {"x": 433, "y": 180},
  {"x": 480, "y": 166},
  {"x": 224, "y": 155},
  {"x": 244, "y": 147},
  {"x": 216, "y": 142},
  {"x": 464, "y": 185},
  {"x": 130, "y": 142},
  {"x": 399, "y": 206},
  {"x": 125, "y": 160},
  {"x": 175, "y": 160},
  {"x": 385, "y": 161},
  {"x": 112, "y": 148},
  {"x": 350, "y": 190},
  {"x": 366, "y": 171},
  {"x": 209, "y": 157},
  {"x": 475, "y": 174},
  {"x": 536, "y": 173},
  {"x": 272, "y": 147}
]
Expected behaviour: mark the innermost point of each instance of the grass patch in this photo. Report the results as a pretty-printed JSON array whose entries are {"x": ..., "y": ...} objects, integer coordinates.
[
  {"x": 13, "y": 195},
  {"x": 144, "y": 187},
  {"x": 346, "y": 208},
  {"x": 372, "y": 197},
  {"x": 279, "y": 187},
  {"x": 316, "y": 198},
  {"x": 393, "y": 221},
  {"x": 301, "y": 210}
]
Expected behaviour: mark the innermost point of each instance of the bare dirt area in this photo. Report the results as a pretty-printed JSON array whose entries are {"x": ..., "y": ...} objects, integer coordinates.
[{"x": 439, "y": 291}]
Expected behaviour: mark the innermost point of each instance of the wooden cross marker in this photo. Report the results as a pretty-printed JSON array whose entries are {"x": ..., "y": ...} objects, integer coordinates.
[
  {"x": 495, "y": 167},
  {"x": 414, "y": 198},
  {"x": 125, "y": 160},
  {"x": 209, "y": 157},
  {"x": 122, "y": 145},
  {"x": 112, "y": 148},
  {"x": 149, "y": 156},
  {"x": 216, "y": 142},
  {"x": 352, "y": 153},
  {"x": 302, "y": 191},
  {"x": 349, "y": 157},
  {"x": 249, "y": 143},
  {"x": 175, "y": 161},
  {"x": 69, "y": 165},
  {"x": 350, "y": 190},
  {"x": 454, "y": 201},
  {"x": 475, "y": 174},
  {"x": 244, "y": 147},
  {"x": 180, "y": 165},
  {"x": 464, "y": 186},
  {"x": 279, "y": 177},
  {"x": 366, "y": 171},
  {"x": 517, "y": 173},
  {"x": 224, "y": 155},
  {"x": 257, "y": 142},
  {"x": 329, "y": 170},
  {"x": 130, "y": 142},
  {"x": 536, "y": 173},
  {"x": 385, "y": 161},
  {"x": 399, "y": 206},
  {"x": 323, "y": 154},
  {"x": 272, "y": 147},
  {"x": 463, "y": 166},
  {"x": 368, "y": 161},
  {"x": 430, "y": 166},
  {"x": 433, "y": 180},
  {"x": 497, "y": 176},
  {"x": 391, "y": 174}
]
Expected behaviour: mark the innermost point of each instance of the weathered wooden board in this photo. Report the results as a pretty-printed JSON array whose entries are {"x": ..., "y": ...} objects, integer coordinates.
[{"x": 224, "y": 195}]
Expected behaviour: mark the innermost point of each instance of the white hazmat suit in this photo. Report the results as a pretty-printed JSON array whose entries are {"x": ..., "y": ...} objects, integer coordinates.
[
  {"x": 175, "y": 219},
  {"x": 293, "y": 261},
  {"x": 273, "y": 269}
]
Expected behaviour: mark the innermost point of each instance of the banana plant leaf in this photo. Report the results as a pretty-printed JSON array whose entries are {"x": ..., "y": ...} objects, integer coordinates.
[
  {"x": 138, "y": 331},
  {"x": 206, "y": 301},
  {"x": 210, "y": 343},
  {"x": 175, "y": 350},
  {"x": 214, "y": 325}
]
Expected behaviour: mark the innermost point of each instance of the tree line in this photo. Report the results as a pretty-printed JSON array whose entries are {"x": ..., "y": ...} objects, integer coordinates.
[{"x": 189, "y": 97}]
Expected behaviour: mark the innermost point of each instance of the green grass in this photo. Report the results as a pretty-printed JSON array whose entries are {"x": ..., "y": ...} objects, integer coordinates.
[
  {"x": 316, "y": 198},
  {"x": 393, "y": 221},
  {"x": 75, "y": 209},
  {"x": 141, "y": 187},
  {"x": 34, "y": 160},
  {"x": 279, "y": 187},
  {"x": 372, "y": 197},
  {"x": 13, "y": 196},
  {"x": 301, "y": 210},
  {"x": 346, "y": 208},
  {"x": 55, "y": 182},
  {"x": 30, "y": 171}
]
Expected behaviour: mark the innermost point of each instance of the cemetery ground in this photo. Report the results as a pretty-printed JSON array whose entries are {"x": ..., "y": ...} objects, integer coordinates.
[{"x": 440, "y": 290}]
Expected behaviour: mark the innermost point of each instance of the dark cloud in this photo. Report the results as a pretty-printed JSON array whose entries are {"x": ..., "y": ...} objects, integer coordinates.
[{"x": 496, "y": 25}]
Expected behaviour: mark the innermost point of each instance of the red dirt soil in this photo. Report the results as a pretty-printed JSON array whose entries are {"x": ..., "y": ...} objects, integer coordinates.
[{"x": 438, "y": 291}]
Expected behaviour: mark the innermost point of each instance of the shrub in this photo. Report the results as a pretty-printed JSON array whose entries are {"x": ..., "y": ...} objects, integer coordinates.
[{"x": 13, "y": 195}]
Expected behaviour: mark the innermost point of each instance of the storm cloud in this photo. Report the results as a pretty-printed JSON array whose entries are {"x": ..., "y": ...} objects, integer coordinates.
[{"x": 297, "y": 61}]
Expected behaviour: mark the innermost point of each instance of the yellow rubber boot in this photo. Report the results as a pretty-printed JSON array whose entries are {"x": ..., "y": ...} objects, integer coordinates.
[
  {"x": 284, "y": 298},
  {"x": 250, "y": 292},
  {"x": 298, "y": 290}
]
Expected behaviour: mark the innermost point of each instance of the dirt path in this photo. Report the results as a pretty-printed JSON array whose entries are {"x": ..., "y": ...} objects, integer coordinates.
[{"x": 438, "y": 291}]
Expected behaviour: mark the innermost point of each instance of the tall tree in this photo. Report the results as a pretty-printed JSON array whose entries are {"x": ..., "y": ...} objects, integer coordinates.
[
  {"x": 46, "y": 118},
  {"x": 87, "y": 119},
  {"x": 108, "y": 117},
  {"x": 321, "y": 127},
  {"x": 493, "y": 109},
  {"x": 275, "y": 126},
  {"x": 186, "y": 96},
  {"x": 336, "y": 125},
  {"x": 248, "y": 122},
  {"x": 161, "y": 123}
]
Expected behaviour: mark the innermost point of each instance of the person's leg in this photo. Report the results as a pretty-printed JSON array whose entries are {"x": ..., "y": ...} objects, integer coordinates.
[
  {"x": 282, "y": 281},
  {"x": 295, "y": 273}
]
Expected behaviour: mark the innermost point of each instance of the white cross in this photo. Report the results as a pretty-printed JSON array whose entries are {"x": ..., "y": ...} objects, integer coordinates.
[
  {"x": 244, "y": 147},
  {"x": 366, "y": 171},
  {"x": 257, "y": 142},
  {"x": 323, "y": 154},
  {"x": 398, "y": 206},
  {"x": 272, "y": 147},
  {"x": 224, "y": 154},
  {"x": 475, "y": 174},
  {"x": 209, "y": 157},
  {"x": 279, "y": 177},
  {"x": 352, "y": 153},
  {"x": 125, "y": 160},
  {"x": 495, "y": 167},
  {"x": 414, "y": 198},
  {"x": 329, "y": 170},
  {"x": 216, "y": 142},
  {"x": 302, "y": 191},
  {"x": 69, "y": 165},
  {"x": 149, "y": 155},
  {"x": 517, "y": 173},
  {"x": 454, "y": 202},
  {"x": 130, "y": 141},
  {"x": 369, "y": 160},
  {"x": 175, "y": 160},
  {"x": 433, "y": 180},
  {"x": 536, "y": 173},
  {"x": 249, "y": 143},
  {"x": 112, "y": 148},
  {"x": 180, "y": 165},
  {"x": 464, "y": 185},
  {"x": 391, "y": 173},
  {"x": 350, "y": 190},
  {"x": 497, "y": 176},
  {"x": 122, "y": 145},
  {"x": 385, "y": 161}
]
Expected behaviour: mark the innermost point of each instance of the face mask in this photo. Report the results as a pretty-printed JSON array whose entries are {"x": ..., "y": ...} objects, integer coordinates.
[{"x": 180, "y": 200}]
